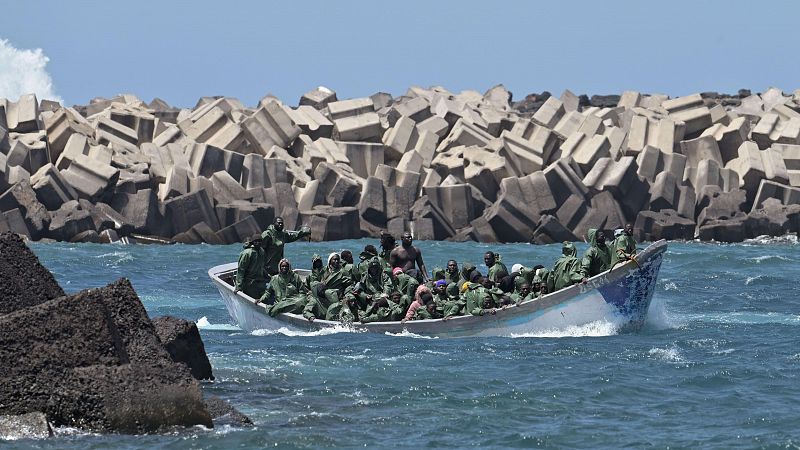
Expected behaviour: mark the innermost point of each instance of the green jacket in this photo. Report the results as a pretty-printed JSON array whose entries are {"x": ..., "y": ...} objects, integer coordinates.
[
  {"x": 496, "y": 271},
  {"x": 406, "y": 285},
  {"x": 422, "y": 314},
  {"x": 285, "y": 286},
  {"x": 250, "y": 276},
  {"x": 274, "y": 241},
  {"x": 597, "y": 258},
  {"x": 390, "y": 313},
  {"x": 473, "y": 299},
  {"x": 624, "y": 248},
  {"x": 372, "y": 286},
  {"x": 567, "y": 270}
]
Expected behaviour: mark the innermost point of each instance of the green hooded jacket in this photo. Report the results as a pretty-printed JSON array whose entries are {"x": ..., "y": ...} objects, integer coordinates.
[
  {"x": 274, "y": 241},
  {"x": 566, "y": 270},
  {"x": 624, "y": 249},
  {"x": 372, "y": 286},
  {"x": 597, "y": 258},
  {"x": 250, "y": 276}
]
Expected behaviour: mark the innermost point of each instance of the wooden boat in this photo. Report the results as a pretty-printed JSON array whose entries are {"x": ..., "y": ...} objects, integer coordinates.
[{"x": 620, "y": 296}]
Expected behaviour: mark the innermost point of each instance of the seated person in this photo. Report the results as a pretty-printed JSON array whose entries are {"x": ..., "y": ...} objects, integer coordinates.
[
  {"x": 429, "y": 310},
  {"x": 349, "y": 311},
  {"x": 287, "y": 290},
  {"x": 317, "y": 272},
  {"x": 405, "y": 284},
  {"x": 373, "y": 283},
  {"x": 384, "y": 309},
  {"x": 524, "y": 294}
]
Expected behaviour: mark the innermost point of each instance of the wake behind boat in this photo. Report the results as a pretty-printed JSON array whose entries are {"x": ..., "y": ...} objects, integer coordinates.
[{"x": 621, "y": 296}]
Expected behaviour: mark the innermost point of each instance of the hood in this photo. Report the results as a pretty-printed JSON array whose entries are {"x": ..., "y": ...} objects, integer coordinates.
[
  {"x": 568, "y": 249},
  {"x": 466, "y": 268},
  {"x": 437, "y": 273},
  {"x": 592, "y": 236}
]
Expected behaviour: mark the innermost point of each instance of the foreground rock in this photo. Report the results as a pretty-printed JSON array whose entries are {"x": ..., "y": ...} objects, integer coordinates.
[
  {"x": 181, "y": 339},
  {"x": 446, "y": 165},
  {"x": 32, "y": 425},
  {"x": 93, "y": 360}
]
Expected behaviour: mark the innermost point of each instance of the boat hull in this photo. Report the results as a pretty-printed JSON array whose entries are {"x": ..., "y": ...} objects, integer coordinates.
[{"x": 621, "y": 297}]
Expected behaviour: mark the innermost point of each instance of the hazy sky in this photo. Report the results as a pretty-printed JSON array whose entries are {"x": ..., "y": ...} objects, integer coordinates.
[{"x": 180, "y": 51}]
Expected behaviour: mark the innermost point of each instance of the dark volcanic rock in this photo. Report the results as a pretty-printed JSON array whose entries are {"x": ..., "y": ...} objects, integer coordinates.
[
  {"x": 23, "y": 280},
  {"x": 32, "y": 425},
  {"x": 182, "y": 340},
  {"x": 222, "y": 413}
]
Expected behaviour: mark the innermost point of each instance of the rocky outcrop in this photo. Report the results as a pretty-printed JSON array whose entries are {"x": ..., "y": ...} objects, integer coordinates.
[
  {"x": 92, "y": 359},
  {"x": 347, "y": 168},
  {"x": 181, "y": 339}
]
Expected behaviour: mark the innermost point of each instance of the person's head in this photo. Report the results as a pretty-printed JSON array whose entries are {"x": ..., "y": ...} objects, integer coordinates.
[
  {"x": 487, "y": 282},
  {"x": 279, "y": 223},
  {"x": 255, "y": 242},
  {"x": 369, "y": 252},
  {"x": 537, "y": 267},
  {"x": 284, "y": 266},
  {"x": 406, "y": 239},
  {"x": 347, "y": 256},
  {"x": 374, "y": 268},
  {"x": 396, "y": 272},
  {"x": 387, "y": 240},
  {"x": 334, "y": 261},
  {"x": 316, "y": 262},
  {"x": 452, "y": 266},
  {"x": 431, "y": 307},
  {"x": 438, "y": 273},
  {"x": 395, "y": 296},
  {"x": 426, "y": 298},
  {"x": 319, "y": 289},
  {"x": 440, "y": 287},
  {"x": 629, "y": 229},
  {"x": 475, "y": 277},
  {"x": 488, "y": 259},
  {"x": 600, "y": 237},
  {"x": 525, "y": 289},
  {"x": 568, "y": 249},
  {"x": 537, "y": 286},
  {"x": 487, "y": 301}
]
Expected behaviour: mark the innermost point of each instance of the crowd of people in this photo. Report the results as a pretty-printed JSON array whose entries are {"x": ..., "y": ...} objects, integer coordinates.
[{"x": 392, "y": 284}]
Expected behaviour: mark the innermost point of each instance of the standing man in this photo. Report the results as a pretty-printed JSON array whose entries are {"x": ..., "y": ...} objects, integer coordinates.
[
  {"x": 451, "y": 273},
  {"x": 250, "y": 276},
  {"x": 624, "y": 246},
  {"x": 275, "y": 237},
  {"x": 407, "y": 257},
  {"x": 497, "y": 270},
  {"x": 388, "y": 243},
  {"x": 597, "y": 258}
]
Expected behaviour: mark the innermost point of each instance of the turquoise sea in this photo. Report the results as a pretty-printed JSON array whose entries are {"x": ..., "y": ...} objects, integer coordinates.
[{"x": 716, "y": 366}]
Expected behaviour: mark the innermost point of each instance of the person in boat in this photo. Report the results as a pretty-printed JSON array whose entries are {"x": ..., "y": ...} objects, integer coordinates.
[
  {"x": 440, "y": 291},
  {"x": 428, "y": 310},
  {"x": 499, "y": 298},
  {"x": 542, "y": 282},
  {"x": 479, "y": 301},
  {"x": 523, "y": 294},
  {"x": 350, "y": 311},
  {"x": 624, "y": 246},
  {"x": 336, "y": 278},
  {"x": 319, "y": 301},
  {"x": 454, "y": 305},
  {"x": 348, "y": 266},
  {"x": 418, "y": 302},
  {"x": 597, "y": 258},
  {"x": 451, "y": 271},
  {"x": 436, "y": 274},
  {"x": 496, "y": 269},
  {"x": 387, "y": 243},
  {"x": 566, "y": 270},
  {"x": 287, "y": 290},
  {"x": 409, "y": 258},
  {"x": 250, "y": 276},
  {"x": 405, "y": 284},
  {"x": 465, "y": 275},
  {"x": 275, "y": 238},
  {"x": 385, "y": 309},
  {"x": 374, "y": 283},
  {"x": 369, "y": 252},
  {"x": 317, "y": 272}
]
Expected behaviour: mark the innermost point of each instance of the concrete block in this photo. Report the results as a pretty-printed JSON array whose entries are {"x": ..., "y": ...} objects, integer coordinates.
[
  {"x": 464, "y": 133},
  {"x": 270, "y": 125},
  {"x": 767, "y": 130},
  {"x": 231, "y": 213},
  {"x": 411, "y": 162},
  {"x": 418, "y": 109},
  {"x": 22, "y": 116},
  {"x": 434, "y": 124},
  {"x": 205, "y": 159},
  {"x": 699, "y": 149},
  {"x": 791, "y": 159},
  {"x": 330, "y": 224},
  {"x": 211, "y": 124},
  {"x": 226, "y": 188},
  {"x": 311, "y": 121},
  {"x": 401, "y": 138},
  {"x": 363, "y": 127},
  {"x": 523, "y": 156},
  {"x": 484, "y": 170},
  {"x": 239, "y": 231},
  {"x": 563, "y": 182},
  {"x": 453, "y": 203},
  {"x": 629, "y": 99},
  {"x": 664, "y": 192},
  {"x": 551, "y": 231},
  {"x": 318, "y": 98},
  {"x": 22, "y": 196},
  {"x": 569, "y": 124},
  {"x": 372, "y": 204},
  {"x": 622, "y": 181},
  {"x": 587, "y": 155},
  {"x": 570, "y": 101},
  {"x": 787, "y": 195},
  {"x": 339, "y": 188},
  {"x": 350, "y": 108},
  {"x": 695, "y": 119},
  {"x": 363, "y": 157},
  {"x": 140, "y": 210},
  {"x": 52, "y": 190},
  {"x": 296, "y": 169},
  {"x": 60, "y": 126},
  {"x": 426, "y": 146},
  {"x": 665, "y": 224},
  {"x": 170, "y": 134},
  {"x": 185, "y": 211},
  {"x": 571, "y": 212},
  {"x": 550, "y": 113},
  {"x": 683, "y": 103},
  {"x": 69, "y": 220},
  {"x": 91, "y": 179},
  {"x": 669, "y": 134},
  {"x": 16, "y": 174}
]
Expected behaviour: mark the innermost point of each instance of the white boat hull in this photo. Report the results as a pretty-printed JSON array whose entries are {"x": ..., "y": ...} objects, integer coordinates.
[{"x": 621, "y": 296}]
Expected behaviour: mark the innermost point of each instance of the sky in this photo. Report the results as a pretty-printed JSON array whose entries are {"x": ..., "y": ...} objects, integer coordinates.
[{"x": 180, "y": 51}]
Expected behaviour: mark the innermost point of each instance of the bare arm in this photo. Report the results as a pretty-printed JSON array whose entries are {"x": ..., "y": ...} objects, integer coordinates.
[{"x": 421, "y": 265}]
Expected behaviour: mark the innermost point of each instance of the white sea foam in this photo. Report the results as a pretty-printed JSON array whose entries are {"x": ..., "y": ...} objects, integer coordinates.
[
  {"x": 751, "y": 279},
  {"x": 593, "y": 329},
  {"x": 24, "y": 71},
  {"x": 297, "y": 333},
  {"x": 765, "y": 240},
  {"x": 204, "y": 324},
  {"x": 406, "y": 333},
  {"x": 762, "y": 258},
  {"x": 659, "y": 318},
  {"x": 671, "y": 354},
  {"x": 748, "y": 318}
]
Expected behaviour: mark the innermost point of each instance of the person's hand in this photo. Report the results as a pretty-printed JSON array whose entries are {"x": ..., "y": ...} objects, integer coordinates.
[
  {"x": 311, "y": 319},
  {"x": 404, "y": 321},
  {"x": 305, "y": 230},
  {"x": 584, "y": 280},
  {"x": 236, "y": 290},
  {"x": 493, "y": 311}
]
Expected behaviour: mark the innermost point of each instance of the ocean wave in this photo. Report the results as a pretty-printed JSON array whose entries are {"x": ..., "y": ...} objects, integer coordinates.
[
  {"x": 659, "y": 318},
  {"x": 598, "y": 328},
  {"x": 204, "y": 324},
  {"x": 766, "y": 240},
  {"x": 762, "y": 258},
  {"x": 298, "y": 333},
  {"x": 406, "y": 333},
  {"x": 671, "y": 354},
  {"x": 747, "y": 318}
]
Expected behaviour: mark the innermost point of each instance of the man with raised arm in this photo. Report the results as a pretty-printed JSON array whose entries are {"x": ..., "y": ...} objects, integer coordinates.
[{"x": 275, "y": 237}]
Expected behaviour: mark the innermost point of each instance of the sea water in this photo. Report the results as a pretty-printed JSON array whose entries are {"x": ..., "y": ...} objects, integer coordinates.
[{"x": 716, "y": 365}]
